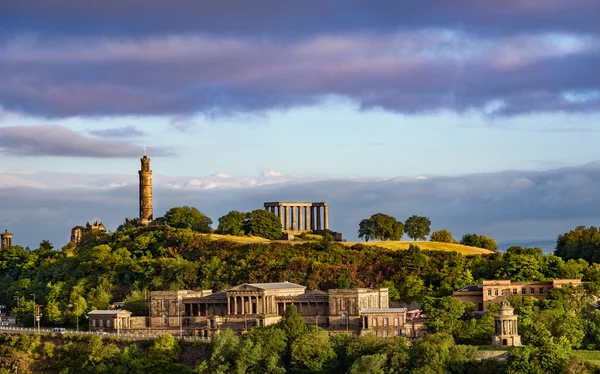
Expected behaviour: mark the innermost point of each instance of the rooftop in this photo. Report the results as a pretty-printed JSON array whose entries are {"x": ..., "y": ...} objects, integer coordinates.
[
  {"x": 108, "y": 312},
  {"x": 275, "y": 286},
  {"x": 383, "y": 310}
]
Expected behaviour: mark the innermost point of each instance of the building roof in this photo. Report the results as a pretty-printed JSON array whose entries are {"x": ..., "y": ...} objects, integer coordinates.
[
  {"x": 108, "y": 312},
  {"x": 472, "y": 287},
  {"x": 383, "y": 310},
  {"x": 275, "y": 286},
  {"x": 312, "y": 294}
]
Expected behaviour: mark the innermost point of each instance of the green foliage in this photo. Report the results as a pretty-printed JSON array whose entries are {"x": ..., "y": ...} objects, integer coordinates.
[
  {"x": 443, "y": 313},
  {"x": 442, "y": 236},
  {"x": 164, "y": 350},
  {"x": 136, "y": 302},
  {"x": 380, "y": 227},
  {"x": 582, "y": 242},
  {"x": 417, "y": 227},
  {"x": 232, "y": 223},
  {"x": 480, "y": 241},
  {"x": 369, "y": 364},
  {"x": 311, "y": 352},
  {"x": 263, "y": 223},
  {"x": 186, "y": 217},
  {"x": 292, "y": 323}
]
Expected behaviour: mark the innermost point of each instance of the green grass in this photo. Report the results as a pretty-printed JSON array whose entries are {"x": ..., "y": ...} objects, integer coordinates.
[
  {"x": 391, "y": 245},
  {"x": 590, "y": 356},
  {"x": 492, "y": 348},
  {"x": 426, "y": 246}
]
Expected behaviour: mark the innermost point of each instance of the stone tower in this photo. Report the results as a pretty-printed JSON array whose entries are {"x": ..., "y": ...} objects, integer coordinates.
[
  {"x": 507, "y": 333},
  {"x": 7, "y": 238},
  {"x": 145, "y": 191}
]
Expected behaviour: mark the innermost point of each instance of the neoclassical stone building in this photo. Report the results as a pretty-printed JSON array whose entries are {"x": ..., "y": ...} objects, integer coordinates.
[
  {"x": 496, "y": 291},
  {"x": 506, "y": 327},
  {"x": 302, "y": 217},
  {"x": 355, "y": 311}
]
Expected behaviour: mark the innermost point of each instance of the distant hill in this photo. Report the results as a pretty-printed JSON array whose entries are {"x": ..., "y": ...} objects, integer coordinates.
[{"x": 547, "y": 246}]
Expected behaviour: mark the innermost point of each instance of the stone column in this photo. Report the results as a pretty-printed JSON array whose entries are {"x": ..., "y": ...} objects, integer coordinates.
[
  {"x": 235, "y": 309},
  {"x": 319, "y": 217},
  {"x": 300, "y": 216},
  {"x": 307, "y": 224},
  {"x": 279, "y": 207},
  {"x": 228, "y": 306},
  {"x": 326, "y": 216},
  {"x": 286, "y": 218},
  {"x": 293, "y": 225}
]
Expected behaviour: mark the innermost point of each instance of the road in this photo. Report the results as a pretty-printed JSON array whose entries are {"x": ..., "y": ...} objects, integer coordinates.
[{"x": 20, "y": 330}]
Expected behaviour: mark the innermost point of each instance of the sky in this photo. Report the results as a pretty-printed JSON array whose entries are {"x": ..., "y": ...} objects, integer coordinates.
[{"x": 481, "y": 115}]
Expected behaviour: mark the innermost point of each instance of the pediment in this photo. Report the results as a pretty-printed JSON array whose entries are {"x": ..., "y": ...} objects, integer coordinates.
[{"x": 245, "y": 287}]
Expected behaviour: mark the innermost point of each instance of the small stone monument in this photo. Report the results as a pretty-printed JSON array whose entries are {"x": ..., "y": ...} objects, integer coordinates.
[{"x": 507, "y": 334}]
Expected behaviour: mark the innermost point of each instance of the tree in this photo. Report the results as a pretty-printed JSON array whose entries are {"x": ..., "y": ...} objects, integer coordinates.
[
  {"x": 582, "y": 242},
  {"x": 380, "y": 227},
  {"x": 292, "y": 324},
  {"x": 186, "y": 217},
  {"x": 261, "y": 222},
  {"x": 372, "y": 364},
  {"x": 79, "y": 308},
  {"x": 417, "y": 227},
  {"x": 311, "y": 352},
  {"x": 479, "y": 241},
  {"x": 52, "y": 312},
  {"x": 232, "y": 223},
  {"x": 136, "y": 302},
  {"x": 442, "y": 236}
]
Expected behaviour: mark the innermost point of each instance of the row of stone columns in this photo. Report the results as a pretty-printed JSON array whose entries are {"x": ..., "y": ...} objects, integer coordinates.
[
  {"x": 243, "y": 304},
  {"x": 506, "y": 327},
  {"x": 301, "y": 217}
]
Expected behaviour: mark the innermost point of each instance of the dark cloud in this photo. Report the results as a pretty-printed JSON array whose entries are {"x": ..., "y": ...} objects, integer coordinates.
[
  {"x": 279, "y": 19},
  {"x": 408, "y": 72},
  {"x": 506, "y": 205},
  {"x": 55, "y": 140},
  {"x": 118, "y": 132}
]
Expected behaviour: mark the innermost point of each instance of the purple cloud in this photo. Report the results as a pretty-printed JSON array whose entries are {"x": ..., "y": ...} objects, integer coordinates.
[
  {"x": 406, "y": 72},
  {"x": 54, "y": 140},
  {"x": 118, "y": 132}
]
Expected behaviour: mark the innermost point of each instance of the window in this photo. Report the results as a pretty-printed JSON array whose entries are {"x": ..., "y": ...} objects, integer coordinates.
[
  {"x": 495, "y": 292},
  {"x": 523, "y": 291},
  {"x": 385, "y": 333},
  {"x": 101, "y": 323},
  {"x": 514, "y": 291},
  {"x": 502, "y": 292},
  {"x": 344, "y": 319},
  {"x": 541, "y": 291},
  {"x": 374, "y": 322},
  {"x": 489, "y": 292},
  {"x": 385, "y": 321},
  {"x": 108, "y": 323},
  {"x": 532, "y": 291},
  {"x": 396, "y": 322}
]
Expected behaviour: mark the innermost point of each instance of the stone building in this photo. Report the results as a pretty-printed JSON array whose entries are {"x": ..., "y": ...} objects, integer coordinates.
[
  {"x": 145, "y": 177},
  {"x": 506, "y": 327},
  {"x": 77, "y": 232},
  {"x": 6, "y": 239},
  {"x": 109, "y": 320},
  {"x": 302, "y": 217},
  {"x": 355, "y": 311},
  {"x": 495, "y": 291}
]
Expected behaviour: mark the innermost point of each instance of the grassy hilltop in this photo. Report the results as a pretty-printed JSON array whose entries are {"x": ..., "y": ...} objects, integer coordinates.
[{"x": 390, "y": 245}]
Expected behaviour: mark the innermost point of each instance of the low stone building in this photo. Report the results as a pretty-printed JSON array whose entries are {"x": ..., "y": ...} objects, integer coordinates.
[
  {"x": 77, "y": 232},
  {"x": 496, "y": 291},
  {"x": 506, "y": 327},
  {"x": 356, "y": 311},
  {"x": 109, "y": 320}
]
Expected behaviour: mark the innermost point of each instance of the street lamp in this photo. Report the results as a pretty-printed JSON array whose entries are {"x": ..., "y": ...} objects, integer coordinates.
[{"x": 34, "y": 308}]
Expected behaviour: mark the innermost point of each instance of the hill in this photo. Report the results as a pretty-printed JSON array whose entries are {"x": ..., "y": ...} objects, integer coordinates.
[
  {"x": 391, "y": 245},
  {"x": 425, "y": 246}
]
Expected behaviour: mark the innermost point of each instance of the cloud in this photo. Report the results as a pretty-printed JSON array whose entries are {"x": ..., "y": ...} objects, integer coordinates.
[
  {"x": 55, "y": 140},
  {"x": 409, "y": 71},
  {"x": 118, "y": 132},
  {"x": 525, "y": 205},
  {"x": 295, "y": 19}
]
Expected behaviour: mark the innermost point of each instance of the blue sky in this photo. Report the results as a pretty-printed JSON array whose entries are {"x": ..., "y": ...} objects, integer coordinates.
[{"x": 239, "y": 103}]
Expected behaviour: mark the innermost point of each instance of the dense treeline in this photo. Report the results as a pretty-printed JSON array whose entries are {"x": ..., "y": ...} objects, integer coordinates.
[
  {"x": 111, "y": 267},
  {"x": 288, "y": 347}
]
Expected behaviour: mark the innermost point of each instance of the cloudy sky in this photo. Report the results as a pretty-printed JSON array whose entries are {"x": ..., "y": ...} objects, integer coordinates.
[{"x": 482, "y": 115}]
